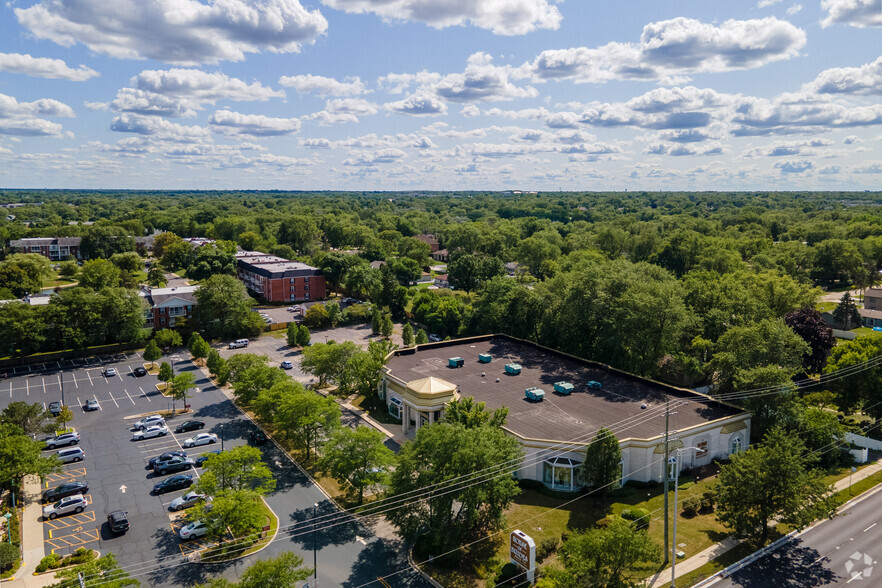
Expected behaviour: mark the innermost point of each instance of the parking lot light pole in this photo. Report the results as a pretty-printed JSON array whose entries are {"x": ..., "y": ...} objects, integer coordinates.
[{"x": 314, "y": 553}]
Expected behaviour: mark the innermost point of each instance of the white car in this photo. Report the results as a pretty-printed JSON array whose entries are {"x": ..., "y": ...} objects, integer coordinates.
[
  {"x": 186, "y": 501},
  {"x": 149, "y": 432},
  {"x": 200, "y": 439},
  {"x": 149, "y": 421},
  {"x": 193, "y": 530},
  {"x": 239, "y": 343},
  {"x": 65, "y": 506},
  {"x": 109, "y": 372}
]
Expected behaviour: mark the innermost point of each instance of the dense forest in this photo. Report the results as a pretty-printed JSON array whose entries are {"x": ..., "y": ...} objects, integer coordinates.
[{"x": 718, "y": 288}]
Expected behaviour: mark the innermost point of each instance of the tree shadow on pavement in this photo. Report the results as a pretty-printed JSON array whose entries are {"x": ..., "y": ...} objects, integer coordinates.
[
  {"x": 384, "y": 559},
  {"x": 793, "y": 565},
  {"x": 332, "y": 527}
]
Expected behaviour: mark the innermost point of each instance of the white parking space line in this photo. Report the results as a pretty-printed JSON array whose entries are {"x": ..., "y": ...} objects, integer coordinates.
[
  {"x": 28, "y": 387},
  {"x": 112, "y": 398},
  {"x": 75, "y": 380},
  {"x": 129, "y": 395},
  {"x": 131, "y": 371},
  {"x": 90, "y": 378},
  {"x": 10, "y": 389},
  {"x": 59, "y": 381},
  {"x": 78, "y": 402},
  {"x": 119, "y": 375},
  {"x": 96, "y": 400},
  {"x": 43, "y": 381},
  {"x": 139, "y": 388}
]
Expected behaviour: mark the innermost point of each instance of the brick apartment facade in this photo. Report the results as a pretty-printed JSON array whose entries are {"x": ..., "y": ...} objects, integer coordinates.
[
  {"x": 276, "y": 279},
  {"x": 168, "y": 305}
]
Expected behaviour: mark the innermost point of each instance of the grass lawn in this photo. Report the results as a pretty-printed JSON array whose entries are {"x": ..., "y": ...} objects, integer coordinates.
[
  {"x": 376, "y": 409},
  {"x": 866, "y": 331},
  {"x": 231, "y": 549},
  {"x": 826, "y": 306}
]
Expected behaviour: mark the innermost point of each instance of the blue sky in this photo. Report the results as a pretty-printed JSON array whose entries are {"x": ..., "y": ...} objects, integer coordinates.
[{"x": 441, "y": 94}]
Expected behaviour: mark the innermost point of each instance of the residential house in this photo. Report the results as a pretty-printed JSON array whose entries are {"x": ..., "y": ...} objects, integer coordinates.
[{"x": 429, "y": 240}]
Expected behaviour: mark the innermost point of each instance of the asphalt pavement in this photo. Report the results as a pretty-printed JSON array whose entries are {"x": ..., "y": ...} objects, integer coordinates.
[
  {"x": 838, "y": 552},
  {"x": 348, "y": 553}
]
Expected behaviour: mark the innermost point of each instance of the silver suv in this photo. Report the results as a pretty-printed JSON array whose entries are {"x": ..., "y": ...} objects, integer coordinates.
[
  {"x": 65, "y": 506},
  {"x": 64, "y": 439}
]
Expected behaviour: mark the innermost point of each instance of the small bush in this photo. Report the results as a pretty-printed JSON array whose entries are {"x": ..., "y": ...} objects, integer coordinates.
[
  {"x": 50, "y": 562},
  {"x": 508, "y": 571},
  {"x": 545, "y": 548},
  {"x": 605, "y": 521},
  {"x": 691, "y": 506},
  {"x": 9, "y": 554},
  {"x": 640, "y": 517},
  {"x": 708, "y": 501},
  {"x": 486, "y": 569}
]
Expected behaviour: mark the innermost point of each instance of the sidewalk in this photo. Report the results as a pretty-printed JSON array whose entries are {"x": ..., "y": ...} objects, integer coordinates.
[
  {"x": 684, "y": 567},
  {"x": 32, "y": 545}
]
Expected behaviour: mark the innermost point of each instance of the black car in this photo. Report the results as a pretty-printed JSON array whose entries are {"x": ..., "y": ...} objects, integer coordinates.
[
  {"x": 175, "y": 464},
  {"x": 139, "y": 371},
  {"x": 257, "y": 437},
  {"x": 165, "y": 457},
  {"x": 204, "y": 457},
  {"x": 118, "y": 521},
  {"x": 65, "y": 490},
  {"x": 176, "y": 482},
  {"x": 55, "y": 408},
  {"x": 189, "y": 426}
]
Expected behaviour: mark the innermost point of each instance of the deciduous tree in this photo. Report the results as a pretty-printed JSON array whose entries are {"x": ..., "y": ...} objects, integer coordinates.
[
  {"x": 603, "y": 458},
  {"x": 772, "y": 481},
  {"x": 357, "y": 457},
  {"x": 152, "y": 352}
]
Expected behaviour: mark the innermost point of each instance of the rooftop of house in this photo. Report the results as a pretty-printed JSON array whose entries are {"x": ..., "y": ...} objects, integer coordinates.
[{"x": 630, "y": 405}]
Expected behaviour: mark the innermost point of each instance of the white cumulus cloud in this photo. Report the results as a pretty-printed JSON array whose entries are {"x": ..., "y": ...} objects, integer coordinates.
[
  {"x": 418, "y": 105},
  {"x": 253, "y": 125},
  {"x": 673, "y": 48},
  {"x": 502, "y": 17},
  {"x": 323, "y": 86},
  {"x": 481, "y": 81},
  {"x": 182, "y": 32},
  {"x": 44, "y": 67},
  {"x": 856, "y": 13}
]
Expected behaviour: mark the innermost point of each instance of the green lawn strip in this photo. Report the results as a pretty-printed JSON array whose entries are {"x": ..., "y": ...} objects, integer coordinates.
[
  {"x": 376, "y": 409},
  {"x": 866, "y": 331},
  {"x": 722, "y": 562},
  {"x": 826, "y": 306}
]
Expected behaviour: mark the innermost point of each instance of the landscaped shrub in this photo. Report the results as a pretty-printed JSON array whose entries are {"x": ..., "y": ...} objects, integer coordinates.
[
  {"x": 545, "y": 548},
  {"x": 641, "y": 485},
  {"x": 487, "y": 569},
  {"x": 9, "y": 554},
  {"x": 50, "y": 562},
  {"x": 708, "y": 502},
  {"x": 640, "y": 517},
  {"x": 691, "y": 506},
  {"x": 604, "y": 522},
  {"x": 508, "y": 571}
]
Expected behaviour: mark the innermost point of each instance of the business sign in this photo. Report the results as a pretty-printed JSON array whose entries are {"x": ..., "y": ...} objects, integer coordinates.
[{"x": 523, "y": 552}]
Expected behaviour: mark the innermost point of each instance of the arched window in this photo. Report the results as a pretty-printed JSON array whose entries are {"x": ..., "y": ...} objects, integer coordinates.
[
  {"x": 563, "y": 473},
  {"x": 735, "y": 445}
]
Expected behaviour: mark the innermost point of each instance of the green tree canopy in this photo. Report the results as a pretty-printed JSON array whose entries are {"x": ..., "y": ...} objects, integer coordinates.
[
  {"x": 30, "y": 418},
  {"x": 283, "y": 571},
  {"x": 773, "y": 481},
  {"x": 441, "y": 452},
  {"x": 603, "y": 458},
  {"x": 152, "y": 352},
  {"x": 99, "y": 273},
  {"x": 357, "y": 458},
  {"x": 223, "y": 309},
  {"x": 240, "y": 468},
  {"x": 21, "y": 455},
  {"x": 470, "y": 414}
]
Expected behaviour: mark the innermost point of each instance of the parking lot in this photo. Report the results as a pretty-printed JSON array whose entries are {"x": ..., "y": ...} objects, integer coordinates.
[{"x": 115, "y": 469}]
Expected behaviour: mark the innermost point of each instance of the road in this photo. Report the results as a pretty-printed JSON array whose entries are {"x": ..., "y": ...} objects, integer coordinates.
[{"x": 839, "y": 552}]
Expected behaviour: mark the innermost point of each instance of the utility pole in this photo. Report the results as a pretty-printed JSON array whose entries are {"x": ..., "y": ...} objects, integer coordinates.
[{"x": 665, "y": 474}]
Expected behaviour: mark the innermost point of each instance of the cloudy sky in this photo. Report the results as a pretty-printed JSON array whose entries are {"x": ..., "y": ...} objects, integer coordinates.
[{"x": 441, "y": 94}]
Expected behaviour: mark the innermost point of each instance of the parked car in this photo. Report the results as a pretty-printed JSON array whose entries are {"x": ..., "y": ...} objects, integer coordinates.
[
  {"x": 65, "y": 506},
  {"x": 70, "y": 454},
  {"x": 189, "y": 426},
  {"x": 200, "y": 439},
  {"x": 71, "y": 438},
  {"x": 91, "y": 404},
  {"x": 176, "y": 482},
  {"x": 434, "y": 338},
  {"x": 238, "y": 343},
  {"x": 139, "y": 371},
  {"x": 175, "y": 464},
  {"x": 55, "y": 408},
  {"x": 186, "y": 501},
  {"x": 204, "y": 457},
  {"x": 193, "y": 530},
  {"x": 165, "y": 457},
  {"x": 109, "y": 372},
  {"x": 118, "y": 521},
  {"x": 150, "y": 432},
  {"x": 148, "y": 421},
  {"x": 287, "y": 365},
  {"x": 65, "y": 490},
  {"x": 257, "y": 437}
]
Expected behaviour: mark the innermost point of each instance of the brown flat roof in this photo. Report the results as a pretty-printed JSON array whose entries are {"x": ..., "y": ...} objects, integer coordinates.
[{"x": 557, "y": 417}]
